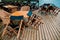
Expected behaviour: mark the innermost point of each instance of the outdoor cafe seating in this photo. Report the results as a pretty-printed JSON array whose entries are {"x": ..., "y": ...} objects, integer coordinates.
[
  {"x": 18, "y": 15},
  {"x": 24, "y": 17}
]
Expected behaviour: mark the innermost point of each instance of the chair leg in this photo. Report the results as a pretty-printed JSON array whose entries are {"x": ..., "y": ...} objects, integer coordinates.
[
  {"x": 12, "y": 30},
  {"x": 4, "y": 31},
  {"x": 23, "y": 30},
  {"x": 18, "y": 35}
]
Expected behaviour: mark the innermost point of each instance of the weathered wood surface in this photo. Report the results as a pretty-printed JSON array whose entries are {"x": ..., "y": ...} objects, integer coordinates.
[{"x": 50, "y": 30}]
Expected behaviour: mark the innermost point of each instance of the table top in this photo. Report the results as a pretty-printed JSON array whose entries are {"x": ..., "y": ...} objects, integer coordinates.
[
  {"x": 10, "y": 6},
  {"x": 20, "y": 13}
]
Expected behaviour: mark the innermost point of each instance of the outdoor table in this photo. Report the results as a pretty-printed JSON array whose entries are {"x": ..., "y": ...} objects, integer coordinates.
[
  {"x": 19, "y": 15},
  {"x": 11, "y": 8}
]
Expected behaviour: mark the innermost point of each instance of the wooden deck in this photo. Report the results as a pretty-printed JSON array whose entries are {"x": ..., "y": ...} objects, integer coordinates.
[{"x": 50, "y": 30}]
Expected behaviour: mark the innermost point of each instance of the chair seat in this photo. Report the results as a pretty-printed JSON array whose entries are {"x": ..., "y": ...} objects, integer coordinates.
[{"x": 16, "y": 17}]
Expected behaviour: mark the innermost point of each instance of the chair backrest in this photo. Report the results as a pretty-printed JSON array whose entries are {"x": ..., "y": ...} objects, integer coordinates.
[
  {"x": 5, "y": 20},
  {"x": 4, "y": 13},
  {"x": 25, "y": 8},
  {"x": 4, "y": 16}
]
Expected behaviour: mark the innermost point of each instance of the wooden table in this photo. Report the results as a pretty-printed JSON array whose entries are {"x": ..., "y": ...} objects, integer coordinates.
[{"x": 11, "y": 8}]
